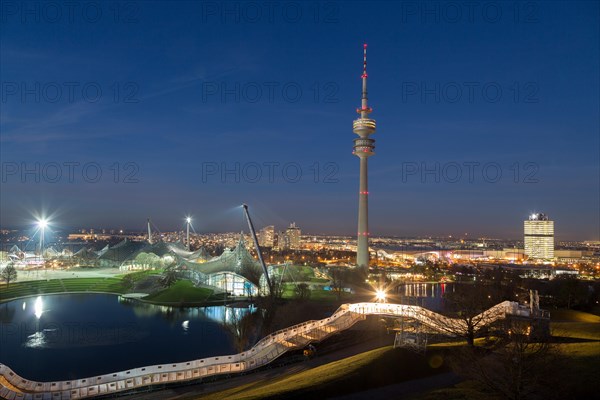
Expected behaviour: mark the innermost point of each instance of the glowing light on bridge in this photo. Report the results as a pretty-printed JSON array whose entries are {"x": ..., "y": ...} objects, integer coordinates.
[{"x": 380, "y": 295}]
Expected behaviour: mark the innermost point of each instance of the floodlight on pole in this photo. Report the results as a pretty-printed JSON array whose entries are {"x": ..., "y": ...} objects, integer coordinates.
[
  {"x": 42, "y": 223},
  {"x": 187, "y": 238}
]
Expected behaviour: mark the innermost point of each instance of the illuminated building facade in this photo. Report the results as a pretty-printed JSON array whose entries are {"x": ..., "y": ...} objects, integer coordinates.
[
  {"x": 293, "y": 234},
  {"x": 266, "y": 236},
  {"x": 539, "y": 237}
]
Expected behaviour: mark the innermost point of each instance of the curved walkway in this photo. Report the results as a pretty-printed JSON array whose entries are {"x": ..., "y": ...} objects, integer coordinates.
[{"x": 12, "y": 386}]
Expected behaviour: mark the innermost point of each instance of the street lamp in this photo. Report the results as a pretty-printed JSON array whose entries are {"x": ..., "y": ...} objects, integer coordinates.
[
  {"x": 187, "y": 239},
  {"x": 42, "y": 224}
]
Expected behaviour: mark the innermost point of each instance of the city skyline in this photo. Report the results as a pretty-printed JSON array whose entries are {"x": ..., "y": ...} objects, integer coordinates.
[
  {"x": 181, "y": 130},
  {"x": 56, "y": 226}
]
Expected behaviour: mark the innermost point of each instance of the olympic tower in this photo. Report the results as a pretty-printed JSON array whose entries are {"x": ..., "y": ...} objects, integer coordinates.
[{"x": 364, "y": 127}]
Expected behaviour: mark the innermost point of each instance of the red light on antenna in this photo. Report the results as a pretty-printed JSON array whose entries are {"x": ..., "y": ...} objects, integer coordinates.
[{"x": 365, "y": 45}]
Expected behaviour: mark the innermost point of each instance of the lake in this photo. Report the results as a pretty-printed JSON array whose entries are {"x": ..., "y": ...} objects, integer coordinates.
[
  {"x": 428, "y": 295},
  {"x": 64, "y": 337}
]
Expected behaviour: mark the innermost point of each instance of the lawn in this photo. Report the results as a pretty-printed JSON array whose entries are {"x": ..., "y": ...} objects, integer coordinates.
[
  {"x": 34, "y": 288},
  {"x": 577, "y": 337},
  {"x": 182, "y": 291},
  {"x": 297, "y": 273},
  {"x": 375, "y": 368},
  {"x": 573, "y": 316},
  {"x": 139, "y": 275},
  {"x": 580, "y": 361},
  {"x": 317, "y": 294}
]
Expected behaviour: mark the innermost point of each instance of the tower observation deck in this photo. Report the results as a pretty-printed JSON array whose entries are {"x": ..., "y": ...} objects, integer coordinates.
[{"x": 364, "y": 127}]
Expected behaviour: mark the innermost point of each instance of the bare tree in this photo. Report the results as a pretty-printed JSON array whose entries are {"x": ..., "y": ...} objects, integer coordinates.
[
  {"x": 277, "y": 287},
  {"x": 243, "y": 327},
  {"x": 270, "y": 303},
  {"x": 338, "y": 281},
  {"x": 8, "y": 274},
  {"x": 515, "y": 367},
  {"x": 468, "y": 303},
  {"x": 302, "y": 292},
  {"x": 252, "y": 273},
  {"x": 169, "y": 277}
]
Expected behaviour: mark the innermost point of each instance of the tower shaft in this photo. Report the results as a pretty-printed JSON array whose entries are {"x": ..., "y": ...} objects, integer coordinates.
[
  {"x": 362, "y": 249},
  {"x": 364, "y": 127}
]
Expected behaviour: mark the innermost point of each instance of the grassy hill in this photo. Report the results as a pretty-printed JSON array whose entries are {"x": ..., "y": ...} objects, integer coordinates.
[
  {"x": 375, "y": 368},
  {"x": 576, "y": 343}
]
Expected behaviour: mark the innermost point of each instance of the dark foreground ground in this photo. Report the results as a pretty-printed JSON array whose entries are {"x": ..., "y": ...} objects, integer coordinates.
[
  {"x": 346, "y": 349},
  {"x": 361, "y": 364}
]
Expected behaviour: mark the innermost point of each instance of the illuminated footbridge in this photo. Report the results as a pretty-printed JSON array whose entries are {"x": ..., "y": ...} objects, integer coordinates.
[{"x": 12, "y": 386}]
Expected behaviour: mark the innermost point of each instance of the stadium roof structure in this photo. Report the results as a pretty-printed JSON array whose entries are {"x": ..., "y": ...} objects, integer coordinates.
[
  {"x": 239, "y": 261},
  {"x": 85, "y": 254},
  {"x": 175, "y": 249},
  {"x": 179, "y": 249},
  {"x": 50, "y": 252},
  {"x": 120, "y": 252}
]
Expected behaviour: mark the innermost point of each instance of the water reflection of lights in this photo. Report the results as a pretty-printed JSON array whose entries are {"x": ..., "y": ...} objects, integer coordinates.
[
  {"x": 227, "y": 314},
  {"x": 219, "y": 314},
  {"x": 38, "y": 307},
  {"x": 24, "y": 305},
  {"x": 433, "y": 290},
  {"x": 37, "y": 340}
]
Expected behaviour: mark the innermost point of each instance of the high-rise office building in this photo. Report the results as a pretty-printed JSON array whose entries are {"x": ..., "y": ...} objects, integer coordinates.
[
  {"x": 293, "y": 236},
  {"x": 266, "y": 236},
  {"x": 281, "y": 241},
  {"x": 539, "y": 237}
]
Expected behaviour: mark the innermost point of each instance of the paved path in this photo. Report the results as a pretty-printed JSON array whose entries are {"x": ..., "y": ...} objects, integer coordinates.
[
  {"x": 36, "y": 275},
  {"x": 134, "y": 295}
]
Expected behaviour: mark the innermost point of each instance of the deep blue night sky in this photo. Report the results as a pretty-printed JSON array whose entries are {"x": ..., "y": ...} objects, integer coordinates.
[{"x": 190, "y": 87}]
